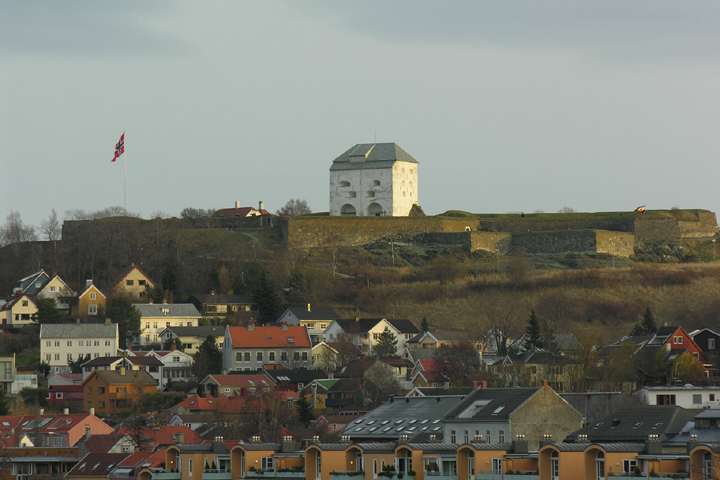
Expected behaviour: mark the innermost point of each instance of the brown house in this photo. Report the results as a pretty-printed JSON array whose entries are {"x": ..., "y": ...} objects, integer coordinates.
[{"x": 110, "y": 391}]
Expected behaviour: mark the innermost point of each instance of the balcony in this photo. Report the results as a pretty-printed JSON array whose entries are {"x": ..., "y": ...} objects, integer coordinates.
[
  {"x": 217, "y": 475},
  {"x": 628, "y": 476},
  {"x": 347, "y": 475},
  {"x": 440, "y": 476},
  {"x": 166, "y": 475},
  {"x": 290, "y": 475},
  {"x": 509, "y": 476}
]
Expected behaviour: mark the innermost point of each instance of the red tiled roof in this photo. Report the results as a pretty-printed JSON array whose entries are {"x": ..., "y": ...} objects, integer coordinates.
[
  {"x": 236, "y": 212},
  {"x": 156, "y": 459},
  {"x": 198, "y": 403},
  {"x": 164, "y": 435},
  {"x": 270, "y": 337},
  {"x": 430, "y": 365}
]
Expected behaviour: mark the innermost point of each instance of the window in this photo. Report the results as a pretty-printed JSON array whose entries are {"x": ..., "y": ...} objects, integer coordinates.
[
  {"x": 678, "y": 340},
  {"x": 271, "y": 356},
  {"x": 81, "y": 343},
  {"x": 712, "y": 397},
  {"x": 238, "y": 356},
  {"x": 92, "y": 309},
  {"x": 466, "y": 436},
  {"x": 487, "y": 435},
  {"x": 97, "y": 343},
  {"x": 57, "y": 356},
  {"x": 147, "y": 324},
  {"x": 69, "y": 357},
  {"x": 296, "y": 356},
  {"x": 501, "y": 436},
  {"x": 59, "y": 395},
  {"x": 629, "y": 465},
  {"x": 89, "y": 390},
  {"x": 283, "y": 356},
  {"x": 69, "y": 343},
  {"x": 49, "y": 343},
  {"x": 376, "y": 336},
  {"x": 57, "y": 343},
  {"x": 697, "y": 399},
  {"x": 48, "y": 356},
  {"x": 142, "y": 283},
  {"x": 92, "y": 296},
  {"x": 453, "y": 436},
  {"x": 52, "y": 289},
  {"x": 246, "y": 356},
  {"x": 154, "y": 324},
  {"x": 107, "y": 343},
  {"x": 259, "y": 356},
  {"x": 268, "y": 463},
  {"x": 25, "y": 303},
  {"x": 129, "y": 283},
  {"x": 190, "y": 465},
  {"x": 497, "y": 466},
  {"x": 305, "y": 356},
  {"x": 101, "y": 390},
  {"x": 711, "y": 344},
  {"x": 101, "y": 404}
]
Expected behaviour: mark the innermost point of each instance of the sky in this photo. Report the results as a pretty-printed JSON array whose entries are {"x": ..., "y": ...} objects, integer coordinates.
[{"x": 507, "y": 106}]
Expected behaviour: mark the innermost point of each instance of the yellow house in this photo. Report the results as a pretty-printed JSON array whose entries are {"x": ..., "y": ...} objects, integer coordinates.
[
  {"x": 20, "y": 309},
  {"x": 89, "y": 302},
  {"x": 132, "y": 282},
  {"x": 253, "y": 458}
]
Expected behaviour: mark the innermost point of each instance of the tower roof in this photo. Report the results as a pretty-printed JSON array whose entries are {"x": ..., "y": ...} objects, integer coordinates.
[{"x": 371, "y": 155}]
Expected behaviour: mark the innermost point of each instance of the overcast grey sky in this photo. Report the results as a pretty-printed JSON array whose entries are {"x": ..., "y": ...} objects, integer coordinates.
[{"x": 508, "y": 106}]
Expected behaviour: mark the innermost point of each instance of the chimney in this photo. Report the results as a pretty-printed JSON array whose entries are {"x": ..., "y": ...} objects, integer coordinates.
[
  {"x": 284, "y": 325},
  {"x": 308, "y": 307},
  {"x": 251, "y": 326},
  {"x": 164, "y": 301},
  {"x": 173, "y": 346},
  {"x": 129, "y": 348},
  {"x": 180, "y": 438},
  {"x": 261, "y": 206},
  {"x": 87, "y": 431},
  {"x": 66, "y": 411},
  {"x": 692, "y": 443},
  {"x": 150, "y": 302},
  {"x": 653, "y": 445},
  {"x": 237, "y": 203},
  {"x": 668, "y": 347},
  {"x": 123, "y": 371},
  {"x": 545, "y": 383},
  {"x": 42, "y": 411},
  {"x": 520, "y": 445},
  {"x": 88, "y": 283},
  {"x": 212, "y": 293},
  {"x": 331, "y": 375},
  {"x": 77, "y": 322},
  {"x": 288, "y": 445},
  {"x": 108, "y": 321},
  {"x": 314, "y": 395},
  {"x": 357, "y": 318},
  {"x": 92, "y": 411}
]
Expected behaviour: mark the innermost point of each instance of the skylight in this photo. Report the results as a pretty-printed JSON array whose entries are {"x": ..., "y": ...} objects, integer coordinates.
[
  {"x": 498, "y": 410},
  {"x": 385, "y": 422}
]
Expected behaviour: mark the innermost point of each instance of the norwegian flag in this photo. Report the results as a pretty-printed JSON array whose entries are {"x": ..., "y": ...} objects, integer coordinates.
[{"x": 119, "y": 148}]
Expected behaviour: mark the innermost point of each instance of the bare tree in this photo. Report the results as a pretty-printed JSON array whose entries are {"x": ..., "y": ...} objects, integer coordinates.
[
  {"x": 501, "y": 314},
  {"x": 294, "y": 207},
  {"x": 15, "y": 231},
  {"x": 566, "y": 210},
  {"x": 51, "y": 227}
]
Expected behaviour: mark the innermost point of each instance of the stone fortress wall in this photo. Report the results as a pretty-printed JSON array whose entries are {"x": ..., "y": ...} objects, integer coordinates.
[{"x": 536, "y": 237}]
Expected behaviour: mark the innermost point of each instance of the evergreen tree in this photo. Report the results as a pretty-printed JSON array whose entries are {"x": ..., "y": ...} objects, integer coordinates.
[
  {"x": 534, "y": 335},
  {"x": 266, "y": 297},
  {"x": 123, "y": 312},
  {"x": 387, "y": 344},
  {"x": 48, "y": 312},
  {"x": 208, "y": 359},
  {"x": 648, "y": 322},
  {"x": 167, "y": 344},
  {"x": 424, "y": 324},
  {"x": 548, "y": 336},
  {"x": 304, "y": 410},
  {"x": 4, "y": 404},
  {"x": 170, "y": 278},
  {"x": 75, "y": 366}
]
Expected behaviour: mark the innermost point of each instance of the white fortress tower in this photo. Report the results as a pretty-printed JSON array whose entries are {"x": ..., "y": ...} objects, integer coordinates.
[{"x": 373, "y": 179}]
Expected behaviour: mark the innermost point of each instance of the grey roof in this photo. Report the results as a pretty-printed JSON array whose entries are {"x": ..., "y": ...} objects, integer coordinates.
[
  {"x": 434, "y": 447},
  {"x": 174, "y": 309},
  {"x": 490, "y": 404},
  {"x": 410, "y": 416},
  {"x": 332, "y": 447},
  {"x": 377, "y": 155},
  {"x": 596, "y": 405},
  {"x": 507, "y": 446},
  {"x": 260, "y": 446},
  {"x": 321, "y": 313},
  {"x": 202, "y": 332},
  {"x": 83, "y": 330},
  {"x": 404, "y": 326},
  {"x": 444, "y": 335},
  {"x": 634, "y": 424},
  {"x": 360, "y": 325}
]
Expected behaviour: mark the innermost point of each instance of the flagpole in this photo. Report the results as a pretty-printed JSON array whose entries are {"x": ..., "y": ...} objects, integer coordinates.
[{"x": 125, "y": 185}]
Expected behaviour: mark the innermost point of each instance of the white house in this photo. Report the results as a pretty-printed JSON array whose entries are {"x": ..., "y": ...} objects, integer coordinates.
[
  {"x": 177, "y": 364},
  {"x": 686, "y": 396},
  {"x": 316, "y": 320},
  {"x": 365, "y": 332},
  {"x": 373, "y": 179},
  {"x": 62, "y": 343},
  {"x": 156, "y": 317}
]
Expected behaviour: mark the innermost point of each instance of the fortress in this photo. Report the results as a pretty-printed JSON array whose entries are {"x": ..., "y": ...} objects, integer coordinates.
[{"x": 617, "y": 233}]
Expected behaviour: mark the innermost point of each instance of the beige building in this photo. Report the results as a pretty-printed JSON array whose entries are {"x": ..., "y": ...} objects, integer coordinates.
[
  {"x": 62, "y": 343},
  {"x": 373, "y": 179},
  {"x": 156, "y": 317},
  {"x": 20, "y": 309},
  {"x": 89, "y": 302},
  {"x": 132, "y": 282}
]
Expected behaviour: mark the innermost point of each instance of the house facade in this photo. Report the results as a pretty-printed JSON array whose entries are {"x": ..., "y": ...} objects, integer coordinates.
[
  {"x": 132, "y": 283},
  {"x": 111, "y": 392},
  {"x": 89, "y": 302},
  {"x": 62, "y": 343},
  {"x": 193, "y": 337},
  {"x": 376, "y": 179},
  {"x": 20, "y": 309},
  {"x": 316, "y": 320},
  {"x": 266, "y": 347},
  {"x": 154, "y": 318}
]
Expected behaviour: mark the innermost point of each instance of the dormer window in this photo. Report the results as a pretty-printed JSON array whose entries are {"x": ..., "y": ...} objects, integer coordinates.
[
  {"x": 165, "y": 311},
  {"x": 344, "y": 183}
]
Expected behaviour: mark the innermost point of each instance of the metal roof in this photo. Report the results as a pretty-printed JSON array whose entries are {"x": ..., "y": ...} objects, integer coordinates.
[{"x": 83, "y": 330}]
